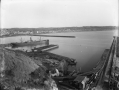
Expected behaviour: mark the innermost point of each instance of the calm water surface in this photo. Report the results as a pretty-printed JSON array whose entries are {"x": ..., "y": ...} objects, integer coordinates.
[{"x": 86, "y": 48}]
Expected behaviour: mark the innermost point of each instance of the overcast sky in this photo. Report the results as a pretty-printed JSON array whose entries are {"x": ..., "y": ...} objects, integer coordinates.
[{"x": 58, "y": 13}]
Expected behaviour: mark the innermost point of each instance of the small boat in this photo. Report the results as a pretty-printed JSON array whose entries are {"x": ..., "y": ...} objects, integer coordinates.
[
  {"x": 64, "y": 78},
  {"x": 66, "y": 86}
]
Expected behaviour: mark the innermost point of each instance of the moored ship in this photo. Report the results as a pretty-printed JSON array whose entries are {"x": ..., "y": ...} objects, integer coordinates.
[{"x": 30, "y": 43}]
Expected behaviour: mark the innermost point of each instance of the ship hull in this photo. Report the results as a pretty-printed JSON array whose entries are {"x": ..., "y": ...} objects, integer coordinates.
[{"x": 33, "y": 43}]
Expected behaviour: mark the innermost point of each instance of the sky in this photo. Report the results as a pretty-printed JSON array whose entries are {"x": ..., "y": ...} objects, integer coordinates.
[{"x": 58, "y": 13}]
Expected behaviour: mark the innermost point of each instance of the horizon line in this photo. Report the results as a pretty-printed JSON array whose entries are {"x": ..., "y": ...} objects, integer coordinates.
[{"x": 62, "y": 27}]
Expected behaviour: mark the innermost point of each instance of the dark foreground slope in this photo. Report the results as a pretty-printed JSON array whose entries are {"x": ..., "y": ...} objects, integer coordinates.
[{"x": 19, "y": 70}]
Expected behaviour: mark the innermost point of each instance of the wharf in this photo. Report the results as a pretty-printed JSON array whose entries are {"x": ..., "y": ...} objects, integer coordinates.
[
  {"x": 97, "y": 71},
  {"x": 108, "y": 65},
  {"x": 99, "y": 65},
  {"x": 115, "y": 64},
  {"x": 106, "y": 69},
  {"x": 117, "y": 47},
  {"x": 109, "y": 75},
  {"x": 105, "y": 79},
  {"x": 45, "y": 48}
]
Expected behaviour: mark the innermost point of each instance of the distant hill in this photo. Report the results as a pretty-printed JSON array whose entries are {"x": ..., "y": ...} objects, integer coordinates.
[
  {"x": 64, "y": 28},
  {"x": 43, "y": 30}
]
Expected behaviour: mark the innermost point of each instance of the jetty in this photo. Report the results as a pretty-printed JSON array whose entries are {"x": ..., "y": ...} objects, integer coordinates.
[
  {"x": 45, "y": 48},
  {"x": 108, "y": 76},
  {"x": 36, "y": 35},
  {"x": 98, "y": 66}
]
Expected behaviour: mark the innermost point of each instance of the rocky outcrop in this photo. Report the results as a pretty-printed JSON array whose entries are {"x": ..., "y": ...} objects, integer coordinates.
[{"x": 19, "y": 70}]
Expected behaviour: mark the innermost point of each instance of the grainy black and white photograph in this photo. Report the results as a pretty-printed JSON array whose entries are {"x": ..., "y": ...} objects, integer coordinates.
[{"x": 59, "y": 45}]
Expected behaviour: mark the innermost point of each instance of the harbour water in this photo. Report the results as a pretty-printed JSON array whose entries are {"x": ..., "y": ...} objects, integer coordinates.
[{"x": 86, "y": 48}]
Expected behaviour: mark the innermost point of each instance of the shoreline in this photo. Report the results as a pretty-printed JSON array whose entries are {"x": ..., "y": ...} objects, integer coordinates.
[{"x": 15, "y": 35}]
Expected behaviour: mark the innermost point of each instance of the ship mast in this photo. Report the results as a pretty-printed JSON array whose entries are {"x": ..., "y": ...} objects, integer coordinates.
[{"x": 31, "y": 39}]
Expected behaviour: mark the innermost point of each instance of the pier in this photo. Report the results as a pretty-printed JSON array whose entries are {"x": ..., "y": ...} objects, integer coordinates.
[
  {"x": 45, "y": 48},
  {"x": 36, "y": 35},
  {"x": 107, "y": 78}
]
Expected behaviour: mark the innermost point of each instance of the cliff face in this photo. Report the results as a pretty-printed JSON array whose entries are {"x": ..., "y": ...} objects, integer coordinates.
[{"x": 16, "y": 69}]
